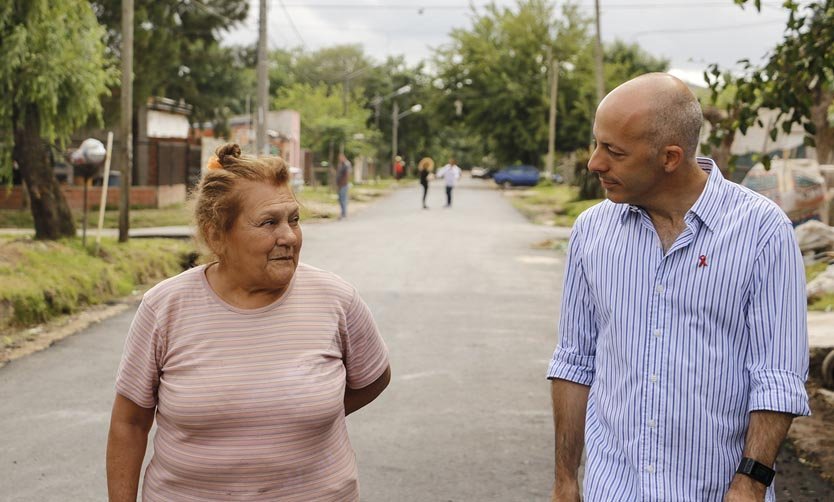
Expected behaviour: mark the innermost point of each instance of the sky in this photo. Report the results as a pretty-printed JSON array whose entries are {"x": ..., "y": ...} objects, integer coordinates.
[{"x": 690, "y": 34}]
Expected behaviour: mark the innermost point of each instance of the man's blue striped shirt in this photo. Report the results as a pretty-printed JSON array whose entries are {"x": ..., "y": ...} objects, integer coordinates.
[{"x": 678, "y": 348}]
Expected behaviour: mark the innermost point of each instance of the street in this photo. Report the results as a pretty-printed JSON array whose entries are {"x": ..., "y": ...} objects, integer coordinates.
[{"x": 468, "y": 310}]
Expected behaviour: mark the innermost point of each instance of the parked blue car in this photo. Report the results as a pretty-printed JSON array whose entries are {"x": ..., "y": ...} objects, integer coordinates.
[{"x": 515, "y": 176}]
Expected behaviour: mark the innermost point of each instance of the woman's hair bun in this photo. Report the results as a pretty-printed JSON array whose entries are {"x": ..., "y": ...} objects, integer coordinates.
[{"x": 228, "y": 152}]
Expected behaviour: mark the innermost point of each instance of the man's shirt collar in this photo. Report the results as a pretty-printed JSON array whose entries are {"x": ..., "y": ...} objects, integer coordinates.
[{"x": 707, "y": 207}]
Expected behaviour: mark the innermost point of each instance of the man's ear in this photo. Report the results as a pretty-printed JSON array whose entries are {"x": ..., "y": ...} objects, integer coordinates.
[{"x": 672, "y": 158}]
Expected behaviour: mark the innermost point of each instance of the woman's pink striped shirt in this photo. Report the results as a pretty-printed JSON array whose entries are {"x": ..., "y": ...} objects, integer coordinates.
[{"x": 250, "y": 402}]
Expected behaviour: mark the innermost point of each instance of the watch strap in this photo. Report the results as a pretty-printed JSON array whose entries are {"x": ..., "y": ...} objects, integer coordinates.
[{"x": 756, "y": 470}]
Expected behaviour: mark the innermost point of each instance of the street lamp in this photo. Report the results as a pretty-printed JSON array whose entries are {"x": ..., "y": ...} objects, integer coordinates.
[
  {"x": 377, "y": 101},
  {"x": 396, "y": 116}
]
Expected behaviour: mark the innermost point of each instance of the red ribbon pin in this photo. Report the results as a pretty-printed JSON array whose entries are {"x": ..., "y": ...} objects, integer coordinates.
[{"x": 702, "y": 261}]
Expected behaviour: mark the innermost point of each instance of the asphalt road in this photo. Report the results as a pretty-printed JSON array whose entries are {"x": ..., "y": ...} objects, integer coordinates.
[{"x": 467, "y": 307}]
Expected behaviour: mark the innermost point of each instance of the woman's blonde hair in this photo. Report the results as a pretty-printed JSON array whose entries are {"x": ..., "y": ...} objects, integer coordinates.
[{"x": 216, "y": 202}]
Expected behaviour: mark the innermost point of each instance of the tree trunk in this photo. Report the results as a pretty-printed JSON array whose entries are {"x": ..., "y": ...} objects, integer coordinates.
[
  {"x": 824, "y": 137},
  {"x": 52, "y": 216}
]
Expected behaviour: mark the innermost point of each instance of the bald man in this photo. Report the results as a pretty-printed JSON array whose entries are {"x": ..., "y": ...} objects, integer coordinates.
[{"x": 683, "y": 346}]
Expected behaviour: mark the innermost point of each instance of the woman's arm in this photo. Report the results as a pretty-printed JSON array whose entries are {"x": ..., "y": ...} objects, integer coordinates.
[
  {"x": 357, "y": 398},
  {"x": 126, "y": 444}
]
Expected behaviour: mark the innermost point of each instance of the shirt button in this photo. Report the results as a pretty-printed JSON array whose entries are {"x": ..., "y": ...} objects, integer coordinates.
[
  {"x": 650, "y": 468},
  {"x": 653, "y": 378},
  {"x": 657, "y": 333},
  {"x": 659, "y": 288},
  {"x": 652, "y": 424}
]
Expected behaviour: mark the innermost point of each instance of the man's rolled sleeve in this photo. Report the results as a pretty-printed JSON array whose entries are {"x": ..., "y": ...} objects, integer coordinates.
[
  {"x": 574, "y": 356},
  {"x": 777, "y": 318}
]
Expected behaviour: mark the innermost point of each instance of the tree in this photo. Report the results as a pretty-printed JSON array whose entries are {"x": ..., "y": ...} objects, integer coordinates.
[
  {"x": 177, "y": 53},
  {"x": 498, "y": 69},
  {"x": 797, "y": 80},
  {"x": 52, "y": 74},
  {"x": 323, "y": 125}
]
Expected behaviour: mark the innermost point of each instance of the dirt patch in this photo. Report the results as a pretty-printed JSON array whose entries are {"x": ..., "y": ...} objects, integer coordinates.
[
  {"x": 797, "y": 480},
  {"x": 813, "y": 437}
]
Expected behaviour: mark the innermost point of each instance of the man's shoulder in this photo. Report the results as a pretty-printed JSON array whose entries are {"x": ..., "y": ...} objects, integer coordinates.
[{"x": 743, "y": 203}]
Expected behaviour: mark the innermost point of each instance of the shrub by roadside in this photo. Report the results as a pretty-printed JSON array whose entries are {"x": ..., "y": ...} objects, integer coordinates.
[
  {"x": 824, "y": 303},
  {"x": 41, "y": 280},
  {"x": 548, "y": 204}
]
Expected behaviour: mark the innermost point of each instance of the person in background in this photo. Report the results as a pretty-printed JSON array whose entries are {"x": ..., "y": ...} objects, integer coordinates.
[
  {"x": 248, "y": 364},
  {"x": 450, "y": 174},
  {"x": 343, "y": 183},
  {"x": 425, "y": 166},
  {"x": 683, "y": 345},
  {"x": 399, "y": 168}
]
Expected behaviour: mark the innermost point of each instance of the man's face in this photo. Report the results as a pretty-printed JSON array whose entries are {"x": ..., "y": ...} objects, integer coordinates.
[
  {"x": 264, "y": 244},
  {"x": 628, "y": 165}
]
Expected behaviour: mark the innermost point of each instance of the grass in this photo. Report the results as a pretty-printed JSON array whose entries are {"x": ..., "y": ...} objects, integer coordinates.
[
  {"x": 40, "y": 280},
  {"x": 825, "y": 303},
  {"x": 549, "y": 204}
]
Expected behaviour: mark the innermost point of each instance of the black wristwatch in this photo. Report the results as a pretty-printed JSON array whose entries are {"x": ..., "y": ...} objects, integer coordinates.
[{"x": 759, "y": 472}]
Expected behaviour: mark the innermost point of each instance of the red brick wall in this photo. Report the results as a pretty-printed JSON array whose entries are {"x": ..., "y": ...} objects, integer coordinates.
[{"x": 146, "y": 196}]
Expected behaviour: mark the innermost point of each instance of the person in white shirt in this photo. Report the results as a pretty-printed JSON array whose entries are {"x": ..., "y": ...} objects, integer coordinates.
[{"x": 450, "y": 174}]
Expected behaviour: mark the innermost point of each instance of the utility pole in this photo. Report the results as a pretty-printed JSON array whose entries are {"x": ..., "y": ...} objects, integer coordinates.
[
  {"x": 598, "y": 58},
  {"x": 126, "y": 102},
  {"x": 263, "y": 83},
  {"x": 395, "y": 119},
  {"x": 551, "y": 136}
]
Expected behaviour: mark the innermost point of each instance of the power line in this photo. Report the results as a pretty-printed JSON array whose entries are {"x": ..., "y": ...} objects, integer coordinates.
[
  {"x": 705, "y": 29},
  {"x": 424, "y": 7},
  {"x": 289, "y": 18}
]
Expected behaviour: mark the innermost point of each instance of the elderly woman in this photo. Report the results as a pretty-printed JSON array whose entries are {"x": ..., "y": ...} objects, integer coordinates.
[{"x": 249, "y": 364}]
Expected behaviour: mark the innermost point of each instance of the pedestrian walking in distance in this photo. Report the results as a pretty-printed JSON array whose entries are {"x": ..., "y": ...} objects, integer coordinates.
[
  {"x": 450, "y": 174},
  {"x": 425, "y": 166},
  {"x": 683, "y": 345},
  {"x": 343, "y": 183},
  {"x": 249, "y": 364}
]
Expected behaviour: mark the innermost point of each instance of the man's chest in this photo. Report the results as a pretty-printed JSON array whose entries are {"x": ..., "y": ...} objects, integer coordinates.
[{"x": 703, "y": 274}]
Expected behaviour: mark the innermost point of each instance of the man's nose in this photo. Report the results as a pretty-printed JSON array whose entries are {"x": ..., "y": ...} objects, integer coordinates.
[{"x": 595, "y": 162}]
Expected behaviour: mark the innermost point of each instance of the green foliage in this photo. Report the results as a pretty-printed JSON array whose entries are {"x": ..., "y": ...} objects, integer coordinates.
[
  {"x": 53, "y": 61},
  {"x": 41, "y": 280},
  {"x": 177, "y": 54},
  {"x": 548, "y": 204},
  {"x": 499, "y": 70},
  {"x": 324, "y": 126},
  {"x": 797, "y": 80}
]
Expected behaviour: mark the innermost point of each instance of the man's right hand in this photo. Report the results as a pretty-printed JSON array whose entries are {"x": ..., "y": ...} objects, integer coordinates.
[{"x": 565, "y": 492}]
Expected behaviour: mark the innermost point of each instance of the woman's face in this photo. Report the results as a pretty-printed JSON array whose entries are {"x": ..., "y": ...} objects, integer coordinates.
[{"x": 263, "y": 246}]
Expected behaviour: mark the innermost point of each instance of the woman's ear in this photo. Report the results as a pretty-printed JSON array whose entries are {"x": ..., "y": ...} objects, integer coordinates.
[{"x": 214, "y": 241}]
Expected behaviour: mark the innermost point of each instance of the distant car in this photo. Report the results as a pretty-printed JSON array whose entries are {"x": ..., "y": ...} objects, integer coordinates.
[
  {"x": 483, "y": 173},
  {"x": 517, "y": 176}
]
